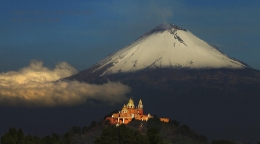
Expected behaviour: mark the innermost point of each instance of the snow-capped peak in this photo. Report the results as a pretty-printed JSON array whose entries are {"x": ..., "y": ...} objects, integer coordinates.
[
  {"x": 168, "y": 27},
  {"x": 166, "y": 46},
  {"x": 161, "y": 28}
]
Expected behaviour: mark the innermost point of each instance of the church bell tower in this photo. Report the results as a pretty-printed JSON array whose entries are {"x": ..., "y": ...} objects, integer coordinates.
[{"x": 140, "y": 107}]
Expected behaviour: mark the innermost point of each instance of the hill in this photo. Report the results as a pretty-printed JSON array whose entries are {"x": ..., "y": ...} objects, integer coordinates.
[{"x": 140, "y": 131}]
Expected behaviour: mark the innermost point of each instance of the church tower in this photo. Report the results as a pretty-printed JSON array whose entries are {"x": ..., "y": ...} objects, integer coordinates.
[
  {"x": 130, "y": 104},
  {"x": 140, "y": 107},
  {"x": 131, "y": 107}
]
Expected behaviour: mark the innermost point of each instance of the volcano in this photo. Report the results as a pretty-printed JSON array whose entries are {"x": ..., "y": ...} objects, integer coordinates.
[
  {"x": 182, "y": 77},
  {"x": 166, "y": 46}
]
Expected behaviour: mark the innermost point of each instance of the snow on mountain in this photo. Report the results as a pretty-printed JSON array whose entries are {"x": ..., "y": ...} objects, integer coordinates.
[{"x": 167, "y": 45}]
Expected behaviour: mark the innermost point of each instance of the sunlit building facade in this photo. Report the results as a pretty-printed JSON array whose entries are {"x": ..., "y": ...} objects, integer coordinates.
[{"x": 129, "y": 112}]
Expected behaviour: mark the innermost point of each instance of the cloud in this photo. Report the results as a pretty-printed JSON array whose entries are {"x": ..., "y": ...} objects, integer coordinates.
[{"x": 38, "y": 86}]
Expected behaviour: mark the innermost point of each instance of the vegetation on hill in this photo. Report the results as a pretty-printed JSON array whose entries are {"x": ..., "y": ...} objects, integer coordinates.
[
  {"x": 14, "y": 136},
  {"x": 152, "y": 131}
]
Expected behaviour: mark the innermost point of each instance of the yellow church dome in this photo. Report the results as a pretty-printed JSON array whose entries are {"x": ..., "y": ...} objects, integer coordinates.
[
  {"x": 131, "y": 101},
  {"x": 124, "y": 109},
  {"x": 130, "y": 104}
]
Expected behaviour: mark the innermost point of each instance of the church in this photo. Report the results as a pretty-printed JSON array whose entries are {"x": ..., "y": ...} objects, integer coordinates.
[{"x": 129, "y": 112}]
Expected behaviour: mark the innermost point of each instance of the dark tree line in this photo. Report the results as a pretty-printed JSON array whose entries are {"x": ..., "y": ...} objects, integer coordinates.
[
  {"x": 14, "y": 136},
  {"x": 17, "y": 136}
]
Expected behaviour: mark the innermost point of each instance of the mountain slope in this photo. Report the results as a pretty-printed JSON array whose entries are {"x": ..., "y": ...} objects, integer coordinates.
[{"x": 166, "y": 46}]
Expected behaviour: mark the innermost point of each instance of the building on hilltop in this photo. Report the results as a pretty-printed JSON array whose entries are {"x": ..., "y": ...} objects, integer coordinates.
[{"x": 129, "y": 112}]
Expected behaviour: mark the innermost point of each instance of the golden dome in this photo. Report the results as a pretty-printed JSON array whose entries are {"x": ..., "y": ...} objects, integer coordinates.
[
  {"x": 124, "y": 109},
  {"x": 131, "y": 103}
]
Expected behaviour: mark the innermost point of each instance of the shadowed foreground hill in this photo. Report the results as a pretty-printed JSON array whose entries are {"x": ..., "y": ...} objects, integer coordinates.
[{"x": 152, "y": 131}]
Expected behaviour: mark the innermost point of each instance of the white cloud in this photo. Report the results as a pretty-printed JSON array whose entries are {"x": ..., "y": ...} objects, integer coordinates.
[{"x": 38, "y": 86}]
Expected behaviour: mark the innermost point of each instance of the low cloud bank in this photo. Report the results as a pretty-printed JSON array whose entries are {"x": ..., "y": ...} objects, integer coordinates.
[{"x": 37, "y": 86}]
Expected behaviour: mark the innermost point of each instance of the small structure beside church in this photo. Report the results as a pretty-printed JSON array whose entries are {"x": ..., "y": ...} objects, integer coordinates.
[{"x": 129, "y": 112}]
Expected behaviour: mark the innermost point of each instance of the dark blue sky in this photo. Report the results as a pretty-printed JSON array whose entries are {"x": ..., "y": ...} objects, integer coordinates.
[{"x": 83, "y": 32}]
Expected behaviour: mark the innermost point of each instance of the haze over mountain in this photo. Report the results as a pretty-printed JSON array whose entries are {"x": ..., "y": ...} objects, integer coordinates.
[{"x": 182, "y": 77}]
